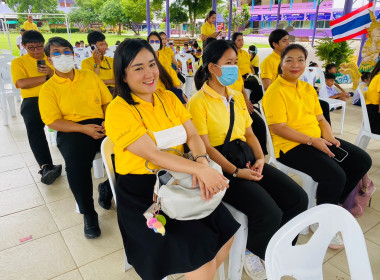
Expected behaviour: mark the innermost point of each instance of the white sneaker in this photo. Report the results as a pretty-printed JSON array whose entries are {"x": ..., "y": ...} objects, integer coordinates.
[
  {"x": 336, "y": 243},
  {"x": 253, "y": 267}
]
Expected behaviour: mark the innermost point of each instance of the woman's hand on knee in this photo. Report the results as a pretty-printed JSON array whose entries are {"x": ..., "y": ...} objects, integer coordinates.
[
  {"x": 322, "y": 145},
  {"x": 249, "y": 174}
]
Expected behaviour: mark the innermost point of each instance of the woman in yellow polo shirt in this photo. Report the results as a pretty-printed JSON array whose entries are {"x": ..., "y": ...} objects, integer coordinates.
[
  {"x": 251, "y": 82},
  {"x": 133, "y": 120},
  {"x": 372, "y": 97},
  {"x": 208, "y": 29},
  {"x": 303, "y": 139},
  {"x": 266, "y": 195},
  {"x": 154, "y": 39},
  {"x": 73, "y": 103}
]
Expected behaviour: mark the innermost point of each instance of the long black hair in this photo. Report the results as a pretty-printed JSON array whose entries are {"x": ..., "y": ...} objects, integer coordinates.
[
  {"x": 210, "y": 14},
  {"x": 211, "y": 54},
  {"x": 125, "y": 53},
  {"x": 288, "y": 49},
  {"x": 155, "y": 34},
  {"x": 375, "y": 70}
]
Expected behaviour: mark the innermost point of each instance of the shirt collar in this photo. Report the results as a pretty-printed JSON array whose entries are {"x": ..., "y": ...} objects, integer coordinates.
[
  {"x": 285, "y": 82},
  {"x": 207, "y": 89},
  {"x": 61, "y": 80},
  {"x": 276, "y": 55}
]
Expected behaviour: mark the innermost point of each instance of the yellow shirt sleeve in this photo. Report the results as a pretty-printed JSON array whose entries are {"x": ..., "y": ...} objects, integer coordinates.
[
  {"x": 17, "y": 71},
  {"x": 105, "y": 94},
  {"x": 266, "y": 70},
  {"x": 197, "y": 109},
  {"x": 122, "y": 126},
  {"x": 48, "y": 105},
  {"x": 274, "y": 108},
  {"x": 87, "y": 65}
]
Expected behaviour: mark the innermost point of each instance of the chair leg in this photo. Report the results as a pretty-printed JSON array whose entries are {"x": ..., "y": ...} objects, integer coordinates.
[
  {"x": 4, "y": 108},
  {"x": 11, "y": 104},
  {"x": 237, "y": 254},
  {"x": 363, "y": 142},
  {"x": 342, "y": 119},
  {"x": 98, "y": 168},
  {"x": 222, "y": 275}
]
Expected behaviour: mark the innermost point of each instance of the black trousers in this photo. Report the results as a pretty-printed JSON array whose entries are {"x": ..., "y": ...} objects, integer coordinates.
[
  {"x": 258, "y": 127},
  {"x": 335, "y": 179},
  {"x": 35, "y": 130},
  {"x": 268, "y": 203},
  {"x": 326, "y": 110},
  {"x": 374, "y": 118},
  {"x": 79, "y": 151}
]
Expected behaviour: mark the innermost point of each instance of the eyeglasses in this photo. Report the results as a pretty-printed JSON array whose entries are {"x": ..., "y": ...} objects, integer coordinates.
[
  {"x": 152, "y": 41},
  {"x": 58, "y": 54},
  {"x": 32, "y": 48}
]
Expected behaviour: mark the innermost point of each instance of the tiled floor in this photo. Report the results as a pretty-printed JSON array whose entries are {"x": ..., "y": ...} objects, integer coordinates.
[{"x": 41, "y": 236}]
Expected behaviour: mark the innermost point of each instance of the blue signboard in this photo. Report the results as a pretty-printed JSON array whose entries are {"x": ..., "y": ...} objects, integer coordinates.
[
  {"x": 321, "y": 16},
  {"x": 337, "y": 15},
  {"x": 293, "y": 16},
  {"x": 270, "y": 17},
  {"x": 255, "y": 18}
]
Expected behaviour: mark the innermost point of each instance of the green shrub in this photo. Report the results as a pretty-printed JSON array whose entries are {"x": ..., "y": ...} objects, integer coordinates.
[
  {"x": 64, "y": 30},
  {"x": 330, "y": 52}
]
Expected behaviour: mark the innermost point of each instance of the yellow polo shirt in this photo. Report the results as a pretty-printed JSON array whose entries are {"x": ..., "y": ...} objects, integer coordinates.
[
  {"x": 168, "y": 52},
  {"x": 76, "y": 100},
  {"x": 124, "y": 126},
  {"x": 255, "y": 62},
  {"x": 211, "y": 116},
  {"x": 24, "y": 67},
  {"x": 105, "y": 72},
  {"x": 244, "y": 62},
  {"x": 238, "y": 85},
  {"x": 269, "y": 67},
  {"x": 166, "y": 62},
  {"x": 373, "y": 92},
  {"x": 297, "y": 106},
  {"x": 29, "y": 26},
  {"x": 208, "y": 29}
]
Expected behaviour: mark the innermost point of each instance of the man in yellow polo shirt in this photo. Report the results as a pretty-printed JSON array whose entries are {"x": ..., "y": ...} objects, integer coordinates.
[
  {"x": 278, "y": 41},
  {"x": 29, "y": 24},
  {"x": 74, "y": 102},
  {"x": 29, "y": 73},
  {"x": 98, "y": 62}
]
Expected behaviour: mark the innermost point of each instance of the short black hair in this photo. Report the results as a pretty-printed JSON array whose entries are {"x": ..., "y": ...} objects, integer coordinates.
[
  {"x": 365, "y": 76},
  {"x": 154, "y": 33},
  {"x": 276, "y": 35},
  {"x": 162, "y": 33},
  {"x": 330, "y": 66},
  {"x": 76, "y": 43},
  {"x": 32, "y": 36},
  {"x": 94, "y": 37},
  {"x": 58, "y": 42},
  {"x": 81, "y": 41},
  {"x": 186, "y": 44},
  {"x": 195, "y": 45},
  {"x": 312, "y": 64},
  {"x": 210, "y": 14},
  {"x": 235, "y": 36},
  {"x": 329, "y": 76},
  {"x": 22, "y": 30}
]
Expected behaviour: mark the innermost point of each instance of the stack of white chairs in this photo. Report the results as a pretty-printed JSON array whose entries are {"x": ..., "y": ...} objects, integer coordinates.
[
  {"x": 81, "y": 54},
  {"x": 183, "y": 58},
  {"x": 310, "y": 76},
  {"x": 111, "y": 51}
]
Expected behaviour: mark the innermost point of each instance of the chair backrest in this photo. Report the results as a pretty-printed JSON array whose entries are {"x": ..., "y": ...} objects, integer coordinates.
[
  {"x": 183, "y": 58},
  {"x": 6, "y": 57},
  {"x": 81, "y": 54},
  {"x": 269, "y": 136},
  {"x": 364, "y": 110},
  {"x": 6, "y": 82},
  {"x": 305, "y": 261},
  {"x": 106, "y": 150},
  {"x": 310, "y": 76}
]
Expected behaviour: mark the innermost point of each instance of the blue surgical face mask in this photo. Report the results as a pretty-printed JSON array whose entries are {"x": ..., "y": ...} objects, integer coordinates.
[{"x": 230, "y": 74}]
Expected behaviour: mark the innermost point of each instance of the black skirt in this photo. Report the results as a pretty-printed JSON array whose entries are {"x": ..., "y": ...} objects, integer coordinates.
[{"x": 186, "y": 246}]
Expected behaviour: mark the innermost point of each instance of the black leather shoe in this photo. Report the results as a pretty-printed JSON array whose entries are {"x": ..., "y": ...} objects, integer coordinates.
[
  {"x": 105, "y": 195},
  {"x": 91, "y": 225},
  {"x": 50, "y": 173}
]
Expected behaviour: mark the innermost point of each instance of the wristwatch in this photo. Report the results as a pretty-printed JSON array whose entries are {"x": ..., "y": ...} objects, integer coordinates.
[
  {"x": 95, "y": 65},
  {"x": 235, "y": 173},
  {"x": 310, "y": 142},
  {"x": 204, "y": 155}
]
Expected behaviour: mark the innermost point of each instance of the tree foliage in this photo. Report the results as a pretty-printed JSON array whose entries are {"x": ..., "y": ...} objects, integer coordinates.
[
  {"x": 238, "y": 18},
  {"x": 135, "y": 12},
  {"x": 83, "y": 16},
  {"x": 112, "y": 13},
  {"x": 38, "y": 6},
  {"x": 330, "y": 52},
  {"x": 177, "y": 14}
]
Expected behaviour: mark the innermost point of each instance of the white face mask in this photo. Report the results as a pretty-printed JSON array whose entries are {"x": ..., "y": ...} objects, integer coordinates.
[
  {"x": 170, "y": 137},
  {"x": 63, "y": 63},
  {"x": 155, "y": 46}
]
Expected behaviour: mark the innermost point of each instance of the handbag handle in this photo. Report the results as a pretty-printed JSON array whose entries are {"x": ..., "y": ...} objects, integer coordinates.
[
  {"x": 154, "y": 171},
  {"x": 232, "y": 120}
]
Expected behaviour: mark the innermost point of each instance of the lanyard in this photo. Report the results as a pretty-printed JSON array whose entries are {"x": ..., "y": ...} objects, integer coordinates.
[{"x": 109, "y": 66}]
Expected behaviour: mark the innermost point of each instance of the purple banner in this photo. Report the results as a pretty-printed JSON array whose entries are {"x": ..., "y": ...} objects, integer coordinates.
[
  {"x": 321, "y": 16},
  {"x": 293, "y": 16},
  {"x": 255, "y": 18},
  {"x": 270, "y": 17}
]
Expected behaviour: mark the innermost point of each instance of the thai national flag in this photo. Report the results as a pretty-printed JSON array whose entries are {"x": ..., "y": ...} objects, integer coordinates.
[{"x": 351, "y": 25}]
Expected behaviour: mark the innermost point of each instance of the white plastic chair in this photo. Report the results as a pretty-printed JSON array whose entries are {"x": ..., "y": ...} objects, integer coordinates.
[
  {"x": 237, "y": 251},
  {"x": 106, "y": 150},
  {"x": 81, "y": 54},
  {"x": 308, "y": 184},
  {"x": 183, "y": 58},
  {"x": 333, "y": 103},
  {"x": 305, "y": 261},
  {"x": 111, "y": 51},
  {"x": 8, "y": 92},
  {"x": 365, "y": 133}
]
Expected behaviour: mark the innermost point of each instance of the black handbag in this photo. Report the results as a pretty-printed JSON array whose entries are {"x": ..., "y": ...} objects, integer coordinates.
[{"x": 238, "y": 152}]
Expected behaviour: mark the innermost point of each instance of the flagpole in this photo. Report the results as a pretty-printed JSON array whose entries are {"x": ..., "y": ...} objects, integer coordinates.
[
  {"x": 278, "y": 13},
  {"x": 364, "y": 37},
  {"x": 315, "y": 22}
]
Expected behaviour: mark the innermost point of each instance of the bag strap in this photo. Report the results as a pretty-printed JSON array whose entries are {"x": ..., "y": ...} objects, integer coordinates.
[{"x": 232, "y": 120}]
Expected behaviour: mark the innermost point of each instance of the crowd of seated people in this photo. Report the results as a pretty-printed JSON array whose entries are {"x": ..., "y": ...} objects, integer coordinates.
[{"x": 135, "y": 98}]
